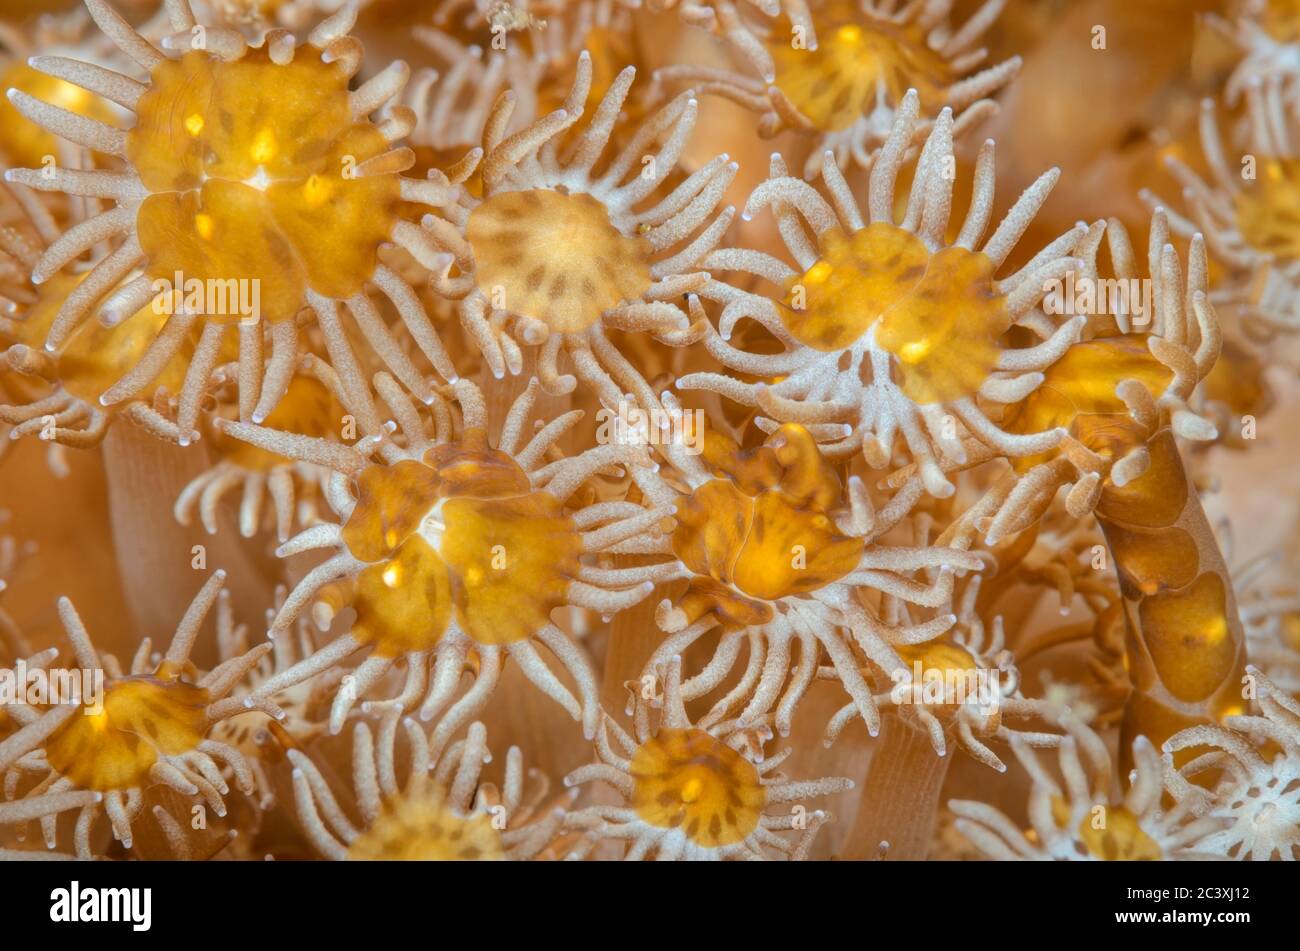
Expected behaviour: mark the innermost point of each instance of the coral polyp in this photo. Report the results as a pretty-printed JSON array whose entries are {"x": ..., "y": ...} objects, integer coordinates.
[
  {"x": 255, "y": 186},
  {"x": 556, "y": 254},
  {"x": 776, "y": 549},
  {"x": 1255, "y": 802},
  {"x": 685, "y": 779},
  {"x": 890, "y": 327},
  {"x": 946, "y": 695},
  {"x": 691, "y": 793},
  {"x": 450, "y": 548},
  {"x": 447, "y": 814},
  {"x": 57, "y": 393},
  {"x": 298, "y": 216},
  {"x": 1090, "y": 820},
  {"x": 149, "y": 726},
  {"x": 1246, "y": 208},
  {"x": 839, "y": 70}
]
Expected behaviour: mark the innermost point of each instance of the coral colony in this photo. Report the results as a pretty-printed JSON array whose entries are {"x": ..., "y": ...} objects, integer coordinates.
[{"x": 598, "y": 429}]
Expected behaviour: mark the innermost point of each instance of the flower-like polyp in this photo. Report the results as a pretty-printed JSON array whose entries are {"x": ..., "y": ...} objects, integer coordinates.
[
  {"x": 893, "y": 327},
  {"x": 776, "y": 547},
  {"x": 693, "y": 793},
  {"x": 837, "y": 83},
  {"x": 838, "y": 71},
  {"x": 964, "y": 683},
  {"x": 142, "y": 720},
  {"x": 564, "y": 244},
  {"x": 63, "y": 388},
  {"x": 940, "y": 316},
  {"x": 1248, "y": 216},
  {"x": 425, "y": 829},
  {"x": 444, "y": 811},
  {"x": 1090, "y": 819},
  {"x": 686, "y": 779},
  {"x": 248, "y": 165},
  {"x": 151, "y": 726},
  {"x": 253, "y": 184},
  {"x": 460, "y": 532},
  {"x": 55, "y": 394},
  {"x": 449, "y": 546},
  {"x": 762, "y": 530},
  {"x": 557, "y": 257},
  {"x": 1256, "y": 759}
]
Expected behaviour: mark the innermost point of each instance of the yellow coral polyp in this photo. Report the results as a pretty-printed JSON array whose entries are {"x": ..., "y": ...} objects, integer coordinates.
[
  {"x": 511, "y": 562},
  {"x": 837, "y": 83},
  {"x": 463, "y": 536},
  {"x": 945, "y": 664},
  {"x": 857, "y": 279},
  {"x": 938, "y": 314},
  {"x": 403, "y": 603},
  {"x": 768, "y": 547},
  {"x": 423, "y": 828},
  {"x": 1268, "y": 208},
  {"x": 141, "y": 719},
  {"x": 1078, "y": 394},
  {"x": 392, "y": 501},
  {"x": 687, "y": 780},
  {"x": 251, "y": 166},
  {"x": 945, "y": 332},
  {"x": 95, "y": 357},
  {"x": 555, "y": 257},
  {"x": 1111, "y": 834},
  {"x": 764, "y": 529}
]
